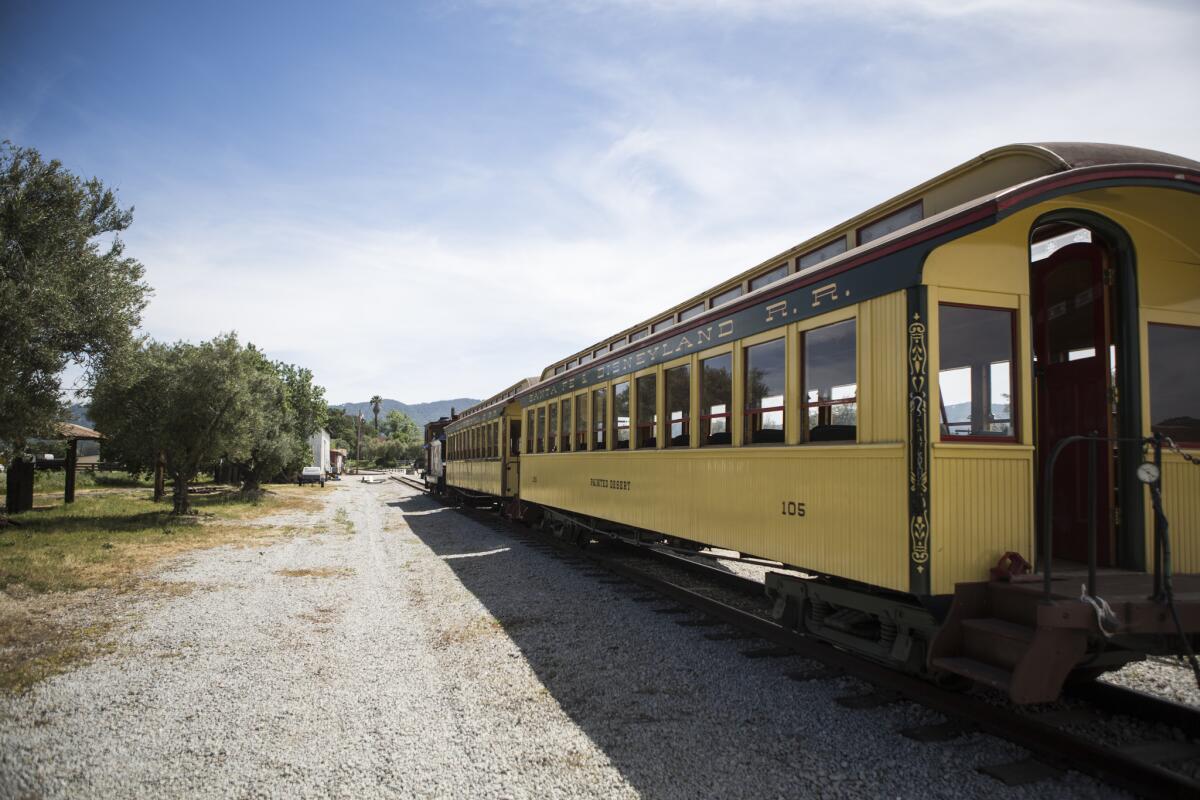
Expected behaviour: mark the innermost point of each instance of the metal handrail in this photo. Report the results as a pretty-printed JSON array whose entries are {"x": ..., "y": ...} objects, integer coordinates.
[{"x": 1048, "y": 507}]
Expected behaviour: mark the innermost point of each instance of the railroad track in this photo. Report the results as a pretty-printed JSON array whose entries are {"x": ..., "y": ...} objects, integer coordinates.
[{"x": 1057, "y": 739}]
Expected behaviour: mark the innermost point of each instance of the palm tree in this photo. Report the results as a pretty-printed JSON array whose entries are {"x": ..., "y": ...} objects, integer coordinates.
[{"x": 376, "y": 405}]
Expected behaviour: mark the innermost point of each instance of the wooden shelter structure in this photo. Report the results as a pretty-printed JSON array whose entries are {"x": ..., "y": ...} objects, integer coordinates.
[
  {"x": 74, "y": 434},
  {"x": 19, "y": 477}
]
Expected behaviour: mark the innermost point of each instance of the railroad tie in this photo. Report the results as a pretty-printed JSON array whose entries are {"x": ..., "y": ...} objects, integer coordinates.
[
  {"x": 939, "y": 732},
  {"x": 723, "y": 636},
  {"x": 815, "y": 674},
  {"x": 770, "y": 651},
  {"x": 1019, "y": 773},
  {"x": 873, "y": 699}
]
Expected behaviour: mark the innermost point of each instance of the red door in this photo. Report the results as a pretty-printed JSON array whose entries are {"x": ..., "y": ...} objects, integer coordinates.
[{"x": 1072, "y": 339}]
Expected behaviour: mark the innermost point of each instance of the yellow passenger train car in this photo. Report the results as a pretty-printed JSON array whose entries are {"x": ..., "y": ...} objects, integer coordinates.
[
  {"x": 881, "y": 405},
  {"x": 481, "y": 450}
]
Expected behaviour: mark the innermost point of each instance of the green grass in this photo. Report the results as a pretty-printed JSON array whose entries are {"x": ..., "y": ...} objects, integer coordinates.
[
  {"x": 46, "y": 481},
  {"x": 101, "y": 540}
]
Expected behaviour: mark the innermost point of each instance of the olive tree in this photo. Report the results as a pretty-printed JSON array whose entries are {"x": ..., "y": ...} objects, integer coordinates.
[
  {"x": 284, "y": 409},
  {"x": 67, "y": 291},
  {"x": 188, "y": 404}
]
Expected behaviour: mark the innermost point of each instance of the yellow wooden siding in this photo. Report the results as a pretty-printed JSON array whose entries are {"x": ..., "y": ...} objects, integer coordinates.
[
  {"x": 855, "y": 499},
  {"x": 993, "y": 266},
  {"x": 478, "y": 475},
  {"x": 1181, "y": 504},
  {"x": 981, "y": 508},
  {"x": 882, "y": 369}
]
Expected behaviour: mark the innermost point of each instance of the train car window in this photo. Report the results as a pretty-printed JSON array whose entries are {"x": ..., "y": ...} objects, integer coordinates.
[
  {"x": 540, "y": 432},
  {"x": 620, "y": 408},
  {"x": 637, "y": 336},
  {"x": 829, "y": 394},
  {"x": 585, "y": 358},
  {"x": 892, "y": 222},
  {"x": 727, "y": 295},
  {"x": 601, "y": 351},
  {"x": 822, "y": 253},
  {"x": 662, "y": 324},
  {"x": 529, "y": 431},
  {"x": 514, "y": 437},
  {"x": 766, "y": 368},
  {"x": 552, "y": 431},
  {"x": 560, "y": 369},
  {"x": 565, "y": 435},
  {"x": 716, "y": 398},
  {"x": 599, "y": 414},
  {"x": 1175, "y": 382},
  {"x": 694, "y": 311},
  {"x": 647, "y": 412},
  {"x": 767, "y": 278},
  {"x": 573, "y": 363},
  {"x": 580, "y": 422},
  {"x": 679, "y": 402},
  {"x": 975, "y": 378}
]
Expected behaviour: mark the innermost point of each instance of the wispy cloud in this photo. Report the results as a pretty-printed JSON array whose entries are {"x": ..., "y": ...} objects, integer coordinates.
[{"x": 424, "y": 239}]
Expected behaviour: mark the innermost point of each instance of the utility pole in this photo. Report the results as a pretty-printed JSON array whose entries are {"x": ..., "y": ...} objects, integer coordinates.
[{"x": 358, "y": 435}]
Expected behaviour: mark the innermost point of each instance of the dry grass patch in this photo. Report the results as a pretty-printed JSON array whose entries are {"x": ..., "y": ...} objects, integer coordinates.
[
  {"x": 316, "y": 572},
  {"x": 45, "y": 634},
  {"x": 60, "y": 564},
  {"x": 343, "y": 519},
  {"x": 475, "y": 629}
]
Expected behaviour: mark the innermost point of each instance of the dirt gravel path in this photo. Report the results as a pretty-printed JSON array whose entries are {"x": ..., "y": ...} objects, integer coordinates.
[{"x": 394, "y": 648}]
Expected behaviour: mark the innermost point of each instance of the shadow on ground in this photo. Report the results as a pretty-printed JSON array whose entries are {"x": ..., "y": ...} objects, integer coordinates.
[{"x": 678, "y": 715}]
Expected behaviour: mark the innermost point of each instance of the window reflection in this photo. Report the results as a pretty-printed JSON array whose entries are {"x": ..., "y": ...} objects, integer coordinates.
[
  {"x": 716, "y": 397},
  {"x": 647, "y": 414},
  {"x": 766, "y": 366},
  {"x": 975, "y": 377},
  {"x": 599, "y": 404},
  {"x": 620, "y": 403},
  {"x": 1175, "y": 382},
  {"x": 679, "y": 399},
  {"x": 829, "y": 394}
]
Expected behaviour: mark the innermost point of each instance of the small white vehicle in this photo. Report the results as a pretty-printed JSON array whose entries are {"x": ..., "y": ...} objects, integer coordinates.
[{"x": 311, "y": 475}]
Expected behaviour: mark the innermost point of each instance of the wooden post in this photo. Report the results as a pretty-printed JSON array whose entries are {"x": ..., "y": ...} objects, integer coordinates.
[
  {"x": 19, "y": 495},
  {"x": 72, "y": 462}
]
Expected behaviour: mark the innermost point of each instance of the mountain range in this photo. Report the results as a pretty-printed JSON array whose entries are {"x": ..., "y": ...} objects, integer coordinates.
[{"x": 419, "y": 412}]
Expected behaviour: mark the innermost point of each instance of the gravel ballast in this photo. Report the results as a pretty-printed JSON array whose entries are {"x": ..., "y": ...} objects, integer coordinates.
[{"x": 398, "y": 649}]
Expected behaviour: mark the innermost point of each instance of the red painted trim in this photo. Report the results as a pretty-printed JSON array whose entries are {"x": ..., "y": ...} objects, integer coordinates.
[{"x": 1089, "y": 174}]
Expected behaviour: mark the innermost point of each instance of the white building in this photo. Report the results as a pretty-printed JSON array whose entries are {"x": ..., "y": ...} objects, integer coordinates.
[{"x": 319, "y": 442}]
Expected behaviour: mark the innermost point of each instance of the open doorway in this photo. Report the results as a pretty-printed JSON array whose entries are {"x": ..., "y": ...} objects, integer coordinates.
[{"x": 1075, "y": 325}]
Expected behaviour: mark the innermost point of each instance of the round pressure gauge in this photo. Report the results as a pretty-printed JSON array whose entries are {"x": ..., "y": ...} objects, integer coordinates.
[{"x": 1147, "y": 473}]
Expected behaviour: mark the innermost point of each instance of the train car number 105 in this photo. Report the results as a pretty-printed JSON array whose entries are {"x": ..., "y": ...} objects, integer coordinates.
[{"x": 790, "y": 508}]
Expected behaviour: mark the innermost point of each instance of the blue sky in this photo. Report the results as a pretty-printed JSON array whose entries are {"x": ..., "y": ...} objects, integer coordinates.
[{"x": 429, "y": 200}]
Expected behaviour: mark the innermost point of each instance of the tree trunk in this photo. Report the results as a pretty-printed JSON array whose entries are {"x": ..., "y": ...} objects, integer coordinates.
[
  {"x": 160, "y": 478},
  {"x": 182, "y": 505},
  {"x": 250, "y": 480}
]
